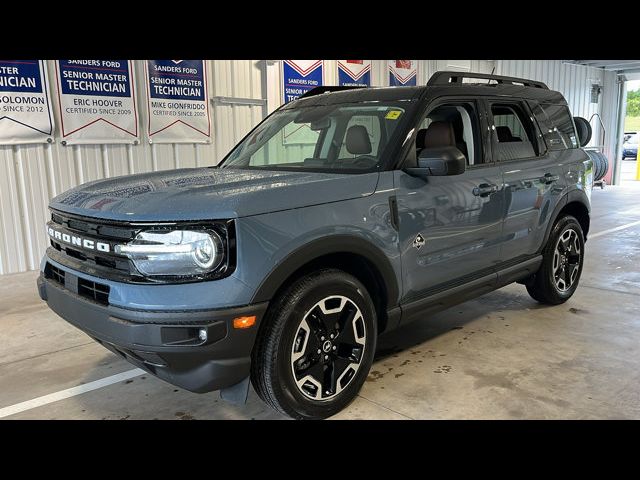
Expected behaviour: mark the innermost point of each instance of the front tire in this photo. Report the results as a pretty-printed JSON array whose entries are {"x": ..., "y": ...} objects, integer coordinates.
[
  {"x": 563, "y": 257},
  {"x": 316, "y": 345}
]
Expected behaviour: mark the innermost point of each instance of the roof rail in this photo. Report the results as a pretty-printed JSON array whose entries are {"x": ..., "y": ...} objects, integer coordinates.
[
  {"x": 327, "y": 88},
  {"x": 447, "y": 78}
]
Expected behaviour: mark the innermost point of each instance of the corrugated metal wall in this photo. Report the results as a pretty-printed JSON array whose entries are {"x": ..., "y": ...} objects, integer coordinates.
[{"x": 31, "y": 174}]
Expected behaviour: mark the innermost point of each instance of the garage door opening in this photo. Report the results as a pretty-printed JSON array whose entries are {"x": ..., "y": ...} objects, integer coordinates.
[{"x": 629, "y": 152}]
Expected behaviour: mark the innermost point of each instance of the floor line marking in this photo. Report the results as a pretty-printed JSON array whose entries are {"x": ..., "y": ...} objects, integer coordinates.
[
  {"x": 69, "y": 392},
  {"x": 604, "y": 289},
  {"x": 47, "y": 353},
  {"x": 385, "y": 407},
  {"x": 615, "y": 229}
]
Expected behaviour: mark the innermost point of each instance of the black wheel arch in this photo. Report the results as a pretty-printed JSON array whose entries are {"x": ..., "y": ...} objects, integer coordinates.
[
  {"x": 353, "y": 254},
  {"x": 574, "y": 203}
]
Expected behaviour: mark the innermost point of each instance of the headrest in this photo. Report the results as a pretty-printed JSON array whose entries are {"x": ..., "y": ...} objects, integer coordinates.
[
  {"x": 439, "y": 134},
  {"x": 357, "y": 141},
  {"x": 504, "y": 134}
]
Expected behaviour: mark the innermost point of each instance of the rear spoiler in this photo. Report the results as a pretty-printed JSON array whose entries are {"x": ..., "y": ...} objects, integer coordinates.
[{"x": 326, "y": 88}]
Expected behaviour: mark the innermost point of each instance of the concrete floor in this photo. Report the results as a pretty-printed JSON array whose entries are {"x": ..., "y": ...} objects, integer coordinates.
[
  {"x": 501, "y": 356},
  {"x": 628, "y": 170}
]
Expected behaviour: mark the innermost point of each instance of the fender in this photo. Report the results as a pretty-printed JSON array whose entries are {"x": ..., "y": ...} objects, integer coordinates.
[
  {"x": 324, "y": 246},
  {"x": 574, "y": 195}
]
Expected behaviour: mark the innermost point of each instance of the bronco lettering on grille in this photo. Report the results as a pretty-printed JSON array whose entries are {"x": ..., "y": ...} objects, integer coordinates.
[{"x": 78, "y": 241}]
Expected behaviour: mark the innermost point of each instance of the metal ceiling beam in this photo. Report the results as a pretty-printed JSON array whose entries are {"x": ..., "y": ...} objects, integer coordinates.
[
  {"x": 631, "y": 70},
  {"x": 620, "y": 66}
]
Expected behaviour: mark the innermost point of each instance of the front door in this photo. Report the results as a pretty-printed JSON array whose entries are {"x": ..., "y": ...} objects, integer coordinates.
[{"x": 450, "y": 226}]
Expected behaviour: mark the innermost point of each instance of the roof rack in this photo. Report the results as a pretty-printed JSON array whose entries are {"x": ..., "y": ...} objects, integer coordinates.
[
  {"x": 447, "y": 78},
  {"x": 327, "y": 88}
]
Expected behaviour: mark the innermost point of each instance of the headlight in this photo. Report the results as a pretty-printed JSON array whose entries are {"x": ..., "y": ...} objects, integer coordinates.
[{"x": 175, "y": 253}]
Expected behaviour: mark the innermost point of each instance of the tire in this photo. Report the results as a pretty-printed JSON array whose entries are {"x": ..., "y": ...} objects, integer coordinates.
[
  {"x": 596, "y": 163},
  {"x": 299, "y": 324},
  {"x": 604, "y": 165},
  {"x": 545, "y": 286},
  {"x": 583, "y": 130}
]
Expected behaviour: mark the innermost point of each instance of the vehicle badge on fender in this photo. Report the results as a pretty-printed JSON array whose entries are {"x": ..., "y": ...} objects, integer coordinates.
[{"x": 419, "y": 242}]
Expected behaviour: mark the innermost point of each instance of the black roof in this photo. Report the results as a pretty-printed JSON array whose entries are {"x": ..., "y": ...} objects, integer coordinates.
[
  {"x": 356, "y": 95},
  {"x": 505, "y": 86}
]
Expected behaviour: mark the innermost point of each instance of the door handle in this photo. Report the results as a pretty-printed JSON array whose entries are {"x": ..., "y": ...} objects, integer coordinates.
[
  {"x": 485, "y": 189},
  {"x": 549, "y": 178}
]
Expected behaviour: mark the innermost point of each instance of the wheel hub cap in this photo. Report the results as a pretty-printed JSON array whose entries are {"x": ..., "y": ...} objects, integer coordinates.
[{"x": 328, "y": 347}]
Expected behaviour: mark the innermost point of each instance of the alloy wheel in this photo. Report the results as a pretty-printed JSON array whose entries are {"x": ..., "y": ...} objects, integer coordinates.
[
  {"x": 328, "y": 347},
  {"x": 566, "y": 260}
]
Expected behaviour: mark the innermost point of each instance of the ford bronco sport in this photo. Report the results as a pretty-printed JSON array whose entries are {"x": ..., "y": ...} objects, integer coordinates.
[{"x": 344, "y": 214}]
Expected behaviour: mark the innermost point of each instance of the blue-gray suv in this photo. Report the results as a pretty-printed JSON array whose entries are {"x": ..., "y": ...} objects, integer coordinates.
[{"x": 343, "y": 215}]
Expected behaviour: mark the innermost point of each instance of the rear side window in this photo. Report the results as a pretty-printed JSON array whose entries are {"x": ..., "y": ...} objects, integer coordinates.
[
  {"x": 514, "y": 133},
  {"x": 556, "y": 125}
]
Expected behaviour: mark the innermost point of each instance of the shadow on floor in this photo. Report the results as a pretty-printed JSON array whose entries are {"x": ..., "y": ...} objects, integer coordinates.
[{"x": 456, "y": 317}]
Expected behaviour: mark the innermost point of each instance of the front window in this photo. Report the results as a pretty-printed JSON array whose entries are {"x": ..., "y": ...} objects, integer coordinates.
[{"x": 346, "y": 138}]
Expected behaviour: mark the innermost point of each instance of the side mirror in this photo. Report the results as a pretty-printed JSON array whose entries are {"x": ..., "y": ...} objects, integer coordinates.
[
  {"x": 583, "y": 130},
  {"x": 439, "y": 162}
]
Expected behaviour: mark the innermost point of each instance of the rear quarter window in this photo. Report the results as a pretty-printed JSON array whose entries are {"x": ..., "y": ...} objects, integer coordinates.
[{"x": 556, "y": 125}]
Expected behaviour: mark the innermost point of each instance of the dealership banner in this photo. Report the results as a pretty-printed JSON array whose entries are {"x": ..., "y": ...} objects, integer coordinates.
[
  {"x": 403, "y": 72},
  {"x": 354, "y": 73},
  {"x": 97, "y": 101},
  {"x": 178, "y": 101},
  {"x": 300, "y": 76},
  {"x": 25, "y": 105}
]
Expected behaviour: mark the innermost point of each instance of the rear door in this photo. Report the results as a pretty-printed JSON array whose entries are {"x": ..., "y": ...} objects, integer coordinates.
[
  {"x": 533, "y": 177},
  {"x": 450, "y": 225}
]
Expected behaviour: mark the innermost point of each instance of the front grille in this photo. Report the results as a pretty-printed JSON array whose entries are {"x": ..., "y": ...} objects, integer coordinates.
[
  {"x": 95, "y": 291},
  {"x": 54, "y": 273},
  {"x": 105, "y": 264},
  {"x": 95, "y": 228}
]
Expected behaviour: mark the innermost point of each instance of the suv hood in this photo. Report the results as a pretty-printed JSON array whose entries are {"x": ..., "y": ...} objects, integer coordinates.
[{"x": 209, "y": 194}]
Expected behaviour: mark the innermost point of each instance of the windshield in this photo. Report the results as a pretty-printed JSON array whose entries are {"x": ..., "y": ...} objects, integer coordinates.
[
  {"x": 346, "y": 138},
  {"x": 632, "y": 139}
]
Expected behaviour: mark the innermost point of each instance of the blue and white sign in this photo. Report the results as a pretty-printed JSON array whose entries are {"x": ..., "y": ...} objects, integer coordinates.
[
  {"x": 354, "y": 73},
  {"x": 97, "y": 101},
  {"x": 178, "y": 101},
  {"x": 403, "y": 73},
  {"x": 25, "y": 105},
  {"x": 300, "y": 76}
]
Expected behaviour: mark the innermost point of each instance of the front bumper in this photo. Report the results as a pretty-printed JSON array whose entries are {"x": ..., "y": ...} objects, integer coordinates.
[{"x": 164, "y": 343}]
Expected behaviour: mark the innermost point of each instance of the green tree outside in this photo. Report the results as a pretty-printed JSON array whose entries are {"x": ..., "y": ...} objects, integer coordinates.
[{"x": 632, "y": 120}]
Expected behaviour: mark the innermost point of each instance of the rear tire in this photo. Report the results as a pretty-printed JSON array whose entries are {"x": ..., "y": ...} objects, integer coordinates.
[
  {"x": 563, "y": 258},
  {"x": 316, "y": 345}
]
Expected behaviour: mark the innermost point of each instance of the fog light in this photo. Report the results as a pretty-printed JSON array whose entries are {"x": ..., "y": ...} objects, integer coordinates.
[
  {"x": 244, "y": 322},
  {"x": 202, "y": 334}
]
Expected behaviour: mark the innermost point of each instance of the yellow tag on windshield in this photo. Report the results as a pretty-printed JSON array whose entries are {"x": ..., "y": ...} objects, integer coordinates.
[{"x": 393, "y": 114}]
